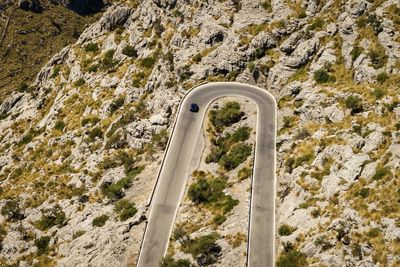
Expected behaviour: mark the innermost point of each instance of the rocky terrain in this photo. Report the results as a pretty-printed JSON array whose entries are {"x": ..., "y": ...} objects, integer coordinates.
[
  {"x": 219, "y": 214},
  {"x": 81, "y": 145}
]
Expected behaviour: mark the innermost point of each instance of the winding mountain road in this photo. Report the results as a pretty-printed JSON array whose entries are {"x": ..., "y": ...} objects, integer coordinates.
[{"x": 174, "y": 174}]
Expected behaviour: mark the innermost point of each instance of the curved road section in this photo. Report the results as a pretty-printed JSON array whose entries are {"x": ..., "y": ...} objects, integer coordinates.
[{"x": 174, "y": 174}]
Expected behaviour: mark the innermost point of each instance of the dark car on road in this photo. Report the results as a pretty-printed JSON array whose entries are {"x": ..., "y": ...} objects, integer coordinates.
[{"x": 194, "y": 107}]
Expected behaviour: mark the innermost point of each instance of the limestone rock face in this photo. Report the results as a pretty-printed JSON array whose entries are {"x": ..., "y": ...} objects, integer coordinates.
[{"x": 93, "y": 127}]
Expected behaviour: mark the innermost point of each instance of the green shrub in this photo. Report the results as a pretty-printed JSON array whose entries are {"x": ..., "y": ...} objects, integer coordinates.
[
  {"x": 148, "y": 62},
  {"x": 285, "y": 230},
  {"x": 304, "y": 158},
  {"x": 235, "y": 156},
  {"x": 125, "y": 209},
  {"x": 22, "y": 87},
  {"x": 50, "y": 218},
  {"x": 244, "y": 173},
  {"x": 378, "y": 57},
  {"x": 115, "y": 141},
  {"x": 354, "y": 103},
  {"x": 321, "y": 76},
  {"x": 116, "y": 104},
  {"x": 42, "y": 244},
  {"x": 115, "y": 191},
  {"x": 379, "y": 93},
  {"x": 100, "y": 220},
  {"x": 203, "y": 245},
  {"x": 361, "y": 21},
  {"x": 229, "y": 114},
  {"x": 292, "y": 258},
  {"x": 211, "y": 192},
  {"x": 317, "y": 24},
  {"x": 373, "y": 232},
  {"x": 356, "y": 52},
  {"x": 375, "y": 23},
  {"x": 382, "y": 77},
  {"x": 93, "y": 68},
  {"x": 12, "y": 210},
  {"x": 215, "y": 154},
  {"x": 197, "y": 58},
  {"x": 91, "y": 119},
  {"x": 168, "y": 261},
  {"x": 79, "y": 82},
  {"x": 59, "y": 125},
  {"x": 364, "y": 192},
  {"x": 26, "y": 139},
  {"x": 78, "y": 234},
  {"x": 129, "y": 51},
  {"x": 302, "y": 15},
  {"x": 92, "y": 47},
  {"x": 219, "y": 219},
  {"x": 267, "y": 6},
  {"x": 381, "y": 173},
  {"x": 56, "y": 71},
  {"x": 108, "y": 61},
  {"x": 96, "y": 132}
]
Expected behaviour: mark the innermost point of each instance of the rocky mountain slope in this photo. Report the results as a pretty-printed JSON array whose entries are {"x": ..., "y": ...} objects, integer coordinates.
[{"x": 81, "y": 146}]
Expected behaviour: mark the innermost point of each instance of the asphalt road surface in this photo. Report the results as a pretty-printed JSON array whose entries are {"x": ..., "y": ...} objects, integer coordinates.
[{"x": 174, "y": 174}]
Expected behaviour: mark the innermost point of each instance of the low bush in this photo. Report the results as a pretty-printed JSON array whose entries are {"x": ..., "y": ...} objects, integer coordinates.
[
  {"x": 322, "y": 76},
  {"x": 115, "y": 191},
  {"x": 96, "y": 132},
  {"x": 100, "y": 220},
  {"x": 79, "y": 82},
  {"x": 267, "y": 6},
  {"x": 56, "y": 71},
  {"x": 197, "y": 58},
  {"x": 219, "y": 219},
  {"x": 354, "y": 103},
  {"x": 116, "y": 104},
  {"x": 116, "y": 141},
  {"x": 285, "y": 230},
  {"x": 125, "y": 209},
  {"x": 108, "y": 61},
  {"x": 229, "y": 114},
  {"x": 129, "y": 51},
  {"x": 317, "y": 24},
  {"x": 93, "y": 68},
  {"x": 241, "y": 134},
  {"x": 211, "y": 192},
  {"x": 364, "y": 192},
  {"x": 382, "y": 77},
  {"x": 59, "y": 125},
  {"x": 93, "y": 120},
  {"x": 92, "y": 47},
  {"x": 22, "y": 87},
  {"x": 356, "y": 52},
  {"x": 203, "y": 248},
  {"x": 42, "y": 244},
  {"x": 292, "y": 258},
  {"x": 51, "y": 217},
  {"x": 12, "y": 210},
  {"x": 379, "y": 93},
  {"x": 170, "y": 262},
  {"x": 78, "y": 234},
  {"x": 148, "y": 62},
  {"x": 237, "y": 155},
  {"x": 215, "y": 154},
  {"x": 378, "y": 57},
  {"x": 381, "y": 173},
  {"x": 244, "y": 173}
]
